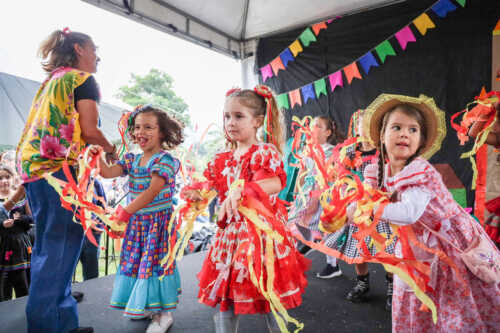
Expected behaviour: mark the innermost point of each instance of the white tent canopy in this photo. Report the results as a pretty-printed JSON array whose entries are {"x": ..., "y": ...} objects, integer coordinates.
[{"x": 229, "y": 26}]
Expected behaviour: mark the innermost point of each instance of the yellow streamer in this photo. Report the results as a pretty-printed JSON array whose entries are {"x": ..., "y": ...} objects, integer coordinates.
[{"x": 426, "y": 300}]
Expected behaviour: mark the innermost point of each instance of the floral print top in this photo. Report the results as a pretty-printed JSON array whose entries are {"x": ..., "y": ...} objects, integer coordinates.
[{"x": 52, "y": 132}]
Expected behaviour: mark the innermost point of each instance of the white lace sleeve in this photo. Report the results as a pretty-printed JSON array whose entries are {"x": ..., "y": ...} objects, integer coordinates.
[{"x": 409, "y": 209}]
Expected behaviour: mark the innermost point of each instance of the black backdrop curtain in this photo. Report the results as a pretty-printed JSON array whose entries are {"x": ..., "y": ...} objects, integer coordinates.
[{"x": 450, "y": 63}]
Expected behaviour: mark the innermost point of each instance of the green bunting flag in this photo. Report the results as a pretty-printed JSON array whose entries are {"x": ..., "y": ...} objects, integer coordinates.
[
  {"x": 282, "y": 101},
  {"x": 461, "y": 2},
  {"x": 307, "y": 37},
  {"x": 384, "y": 49},
  {"x": 320, "y": 87}
]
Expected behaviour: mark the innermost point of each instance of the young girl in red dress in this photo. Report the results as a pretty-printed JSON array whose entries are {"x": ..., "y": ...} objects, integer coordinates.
[
  {"x": 405, "y": 128},
  {"x": 247, "y": 270}
]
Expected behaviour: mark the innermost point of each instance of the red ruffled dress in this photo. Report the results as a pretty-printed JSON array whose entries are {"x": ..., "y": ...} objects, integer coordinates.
[{"x": 225, "y": 277}]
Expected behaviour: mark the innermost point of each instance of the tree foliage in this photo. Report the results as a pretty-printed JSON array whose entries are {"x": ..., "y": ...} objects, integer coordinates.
[{"x": 156, "y": 87}]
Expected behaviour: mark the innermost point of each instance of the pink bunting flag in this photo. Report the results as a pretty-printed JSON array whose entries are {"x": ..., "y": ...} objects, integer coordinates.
[
  {"x": 404, "y": 36},
  {"x": 276, "y": 65},
  {"x": 318, "y": 27},
  {"x": 295, "y": 97},
  {"x": 266, "y": 72},
  {"x": 336, "y": 80}
]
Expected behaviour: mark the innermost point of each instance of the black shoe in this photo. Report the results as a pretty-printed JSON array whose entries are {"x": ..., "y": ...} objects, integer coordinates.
[
  {"x": 358, "y": 293},
  {"x": 82, "y": 330},
  {"x": 77, "y": 295},
  {"x": 305, "y": 250},
  {"x": 329, "y": 272},
  {"x": 388, "y": 300}
]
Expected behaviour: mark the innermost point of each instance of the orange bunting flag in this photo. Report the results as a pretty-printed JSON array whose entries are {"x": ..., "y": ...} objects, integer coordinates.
[
  {"x": 296, "y": 48},
  {"x": 295, "y": 98},
  {"x": 352, "y": 72},
  {"x": 276, "y": 65},
  {"x": 318, "y": 27},
  {"x": 423, "y": 22},
  {"x": 496, "y": 31}
]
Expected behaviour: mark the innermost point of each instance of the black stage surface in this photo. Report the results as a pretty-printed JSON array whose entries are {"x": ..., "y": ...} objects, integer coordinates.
[{"x": 324, "y": 308}]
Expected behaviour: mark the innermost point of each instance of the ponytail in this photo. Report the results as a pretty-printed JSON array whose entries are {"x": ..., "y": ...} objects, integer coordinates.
[
  {"x": 381, "y": 166},
  {"x": 276, "y": 127},
  {"x": 58, "y": 50}
]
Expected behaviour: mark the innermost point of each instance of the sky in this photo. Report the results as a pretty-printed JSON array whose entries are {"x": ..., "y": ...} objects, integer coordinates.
[{"x": 201, "y": 76}]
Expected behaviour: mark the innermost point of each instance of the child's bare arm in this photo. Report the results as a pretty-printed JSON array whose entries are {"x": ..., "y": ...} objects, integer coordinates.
[
  {"x": 107, "y": 171},
  {"x": 110, "y": 171}
]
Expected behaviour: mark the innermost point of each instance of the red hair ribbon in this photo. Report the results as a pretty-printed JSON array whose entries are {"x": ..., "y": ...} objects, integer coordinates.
[
  {"x": 66, "y": 31},
  {"x": 267, "y": 94}
]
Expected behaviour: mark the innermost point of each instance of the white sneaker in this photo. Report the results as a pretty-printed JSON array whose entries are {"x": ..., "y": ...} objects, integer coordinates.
[
  {"x": 154, "y": 327},
  {"x": 166, "y": 320}
]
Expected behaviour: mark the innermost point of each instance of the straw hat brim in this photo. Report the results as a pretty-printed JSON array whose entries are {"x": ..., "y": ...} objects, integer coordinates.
[{"x": 434, "y": 119}]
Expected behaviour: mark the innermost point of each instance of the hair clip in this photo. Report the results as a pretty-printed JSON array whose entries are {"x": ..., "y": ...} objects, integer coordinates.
[
  {"x": 140, "y": 107},
  {"x": 232, "y": 91},
  {"x": 66, "y": 31},
  {"x": 137, "y": 109}
]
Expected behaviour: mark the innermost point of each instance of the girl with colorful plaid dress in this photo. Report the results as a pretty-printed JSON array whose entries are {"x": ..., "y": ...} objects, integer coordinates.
[{"x": 138, "y": 290}]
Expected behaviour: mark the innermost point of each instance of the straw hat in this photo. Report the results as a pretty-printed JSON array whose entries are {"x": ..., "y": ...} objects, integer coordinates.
[{"x": 434, "y": 118}]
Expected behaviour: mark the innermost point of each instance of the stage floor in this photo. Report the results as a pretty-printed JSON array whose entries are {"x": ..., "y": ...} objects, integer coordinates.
[{"x": 324, "y": 308}]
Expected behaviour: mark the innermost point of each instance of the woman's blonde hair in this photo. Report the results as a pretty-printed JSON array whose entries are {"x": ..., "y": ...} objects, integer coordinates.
[{"x": 58, "y": 50}]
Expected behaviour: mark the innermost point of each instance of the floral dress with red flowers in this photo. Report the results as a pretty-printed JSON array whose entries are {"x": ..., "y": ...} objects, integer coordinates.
[
  {"x": 464, "y": 302},
  {"x": 225, "y": 277}
]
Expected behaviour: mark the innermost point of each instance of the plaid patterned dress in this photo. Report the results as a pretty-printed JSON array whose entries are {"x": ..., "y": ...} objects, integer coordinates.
[
  {"x": 342, "y": 241},
  {"x": 137, "y": 285}
]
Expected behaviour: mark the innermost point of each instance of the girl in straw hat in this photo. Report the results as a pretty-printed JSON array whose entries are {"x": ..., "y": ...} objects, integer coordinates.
[{"x": 407, "y": 130}]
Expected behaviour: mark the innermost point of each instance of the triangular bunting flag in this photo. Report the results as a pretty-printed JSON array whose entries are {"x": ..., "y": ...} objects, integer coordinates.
[
  {"x": 352, "y": 72},
  {"x": 461, "y": 2},
  {"x": 266, "y": 72},
  {"x": 307, "y": 37},
  {"x": 443, "y": 7},
  {"x": 320, "y": 87},
  {"x": 496, "y": 31},
  {"x": 282, "y": 101},
  {"x": 286, "y": 56},
  {"x": 423, "y": 22},
  {"x": 308, "y": 92},
  {"x": 483, "y": 93},
  {"x": 367, "y": 61},
  {"x": 404, "y": 36},
  {"x": 318, "y": 27},
  {"x": 336, "y": 80},
  {"x": 295, "y": 98},
  {"x": 296, "y": 48},
  {"x": 276, "y": 65},
  {"x": 384, "y": 49}
]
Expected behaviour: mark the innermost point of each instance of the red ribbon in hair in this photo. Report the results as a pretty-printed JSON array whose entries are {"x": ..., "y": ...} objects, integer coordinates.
[
  {"x": 266, "y": 93},
  {"x": 66, "y": 31}
]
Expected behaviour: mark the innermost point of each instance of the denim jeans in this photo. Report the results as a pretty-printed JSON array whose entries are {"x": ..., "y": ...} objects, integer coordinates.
[{"x": 50, "y": 306}]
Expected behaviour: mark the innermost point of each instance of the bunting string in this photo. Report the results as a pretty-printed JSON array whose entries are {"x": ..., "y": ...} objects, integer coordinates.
[
  {"x": 314, "y": 90},
  {"x": 308, "y": 36}
]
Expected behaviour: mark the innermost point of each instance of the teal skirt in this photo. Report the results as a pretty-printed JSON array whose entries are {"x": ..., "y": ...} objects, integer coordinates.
[{"x": 136, "y": 296}]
